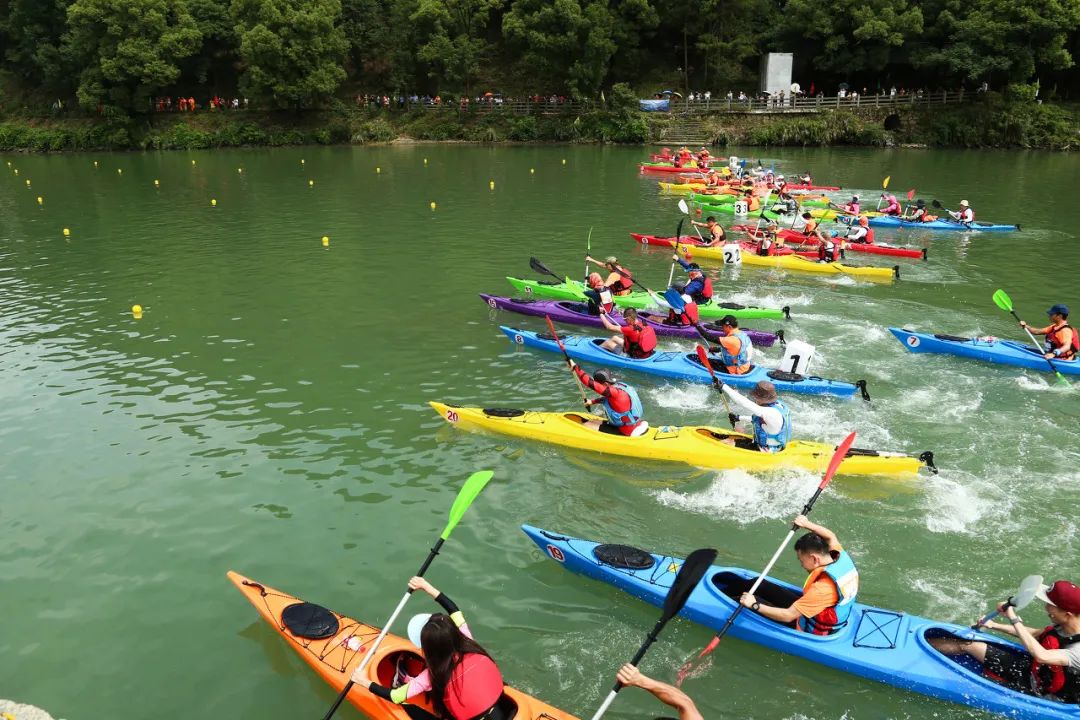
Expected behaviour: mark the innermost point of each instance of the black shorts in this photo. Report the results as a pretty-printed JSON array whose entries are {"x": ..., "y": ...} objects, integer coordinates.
[{"x": 1011, "y": 669}]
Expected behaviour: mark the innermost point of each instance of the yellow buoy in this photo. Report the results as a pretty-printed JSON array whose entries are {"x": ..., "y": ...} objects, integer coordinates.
[
  {"x": 301, "y": 161},
  {"x": 40, "y": 200},
  {"x": 239, "y": 170},
  {"x": 192, "y": 163},
  {"x": 95, "y": 163},
  {"x": 136, "y": 311},
  {"x": 326, "y": 241},
  {"x": 67, "y": 233},
  {"x": 157, "y": 183},
  {"x": 16, "y": 171},
  {"x": 564, "y": 161},
  {"x": 378, "y": 170},
  {"x": 119, "y": 171},
  {"x": 213, "y": 202},
  {"x": 425, "y": 161},
  {"x": 532, "y": 171},
  {"x": 491, "y": 184},
  {"x": 432, "y": 204},
  {"x": 27, "y": 183},
  {"x": 311, "y": 183}
]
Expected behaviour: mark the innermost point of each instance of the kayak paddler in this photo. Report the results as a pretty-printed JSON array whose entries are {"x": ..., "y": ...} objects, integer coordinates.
[
  {"x": 620, "y": 402},
  {"x": 670, "y": 695},
  {"x": 733, "y": 347},
  {"x": 687, "y": 316},
  {"x": 811, "y": 228},
  {"x": 828, "y": 594},
  {"x": 699, "y": 287},
  {"x": 767, "y": 240},
  {"x": 859, "y": 232},
  {"x": 919, "y": 214},
  {"x": 636, "y": 339},
  {"x": 892, "y": 205},
  {"x": 461, "y": 678},
  {"x": 852, "y": 207},
  {"x": 1050, "y": 667},
  {"x": 830, "y": 248},
  {"x": 965, "y": 214},
  {"x": 598, "y": 294},
  {"x": 769, "y": 418},
  {"x": 1062, "y": 340},
  {"x": 618, "y": 279},
  {"x": 716, "y": 233}
]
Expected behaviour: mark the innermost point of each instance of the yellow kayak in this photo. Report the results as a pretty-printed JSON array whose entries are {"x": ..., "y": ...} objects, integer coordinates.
[
  {"x": 699, "y": 446},
  {"x": 799, "y": 263}
]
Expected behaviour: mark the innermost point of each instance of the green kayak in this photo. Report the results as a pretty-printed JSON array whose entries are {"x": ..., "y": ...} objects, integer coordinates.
[
  {"x": 574, "y": 290},
  {"x": 709, "y": 200}
]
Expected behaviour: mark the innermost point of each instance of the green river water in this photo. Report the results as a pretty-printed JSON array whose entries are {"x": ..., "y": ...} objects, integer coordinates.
[{"x": 269, "y": 414}]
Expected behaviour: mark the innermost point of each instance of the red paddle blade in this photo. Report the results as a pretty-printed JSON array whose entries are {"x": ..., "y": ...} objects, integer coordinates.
[
  {"x": 710, "y": 647},
  {"x": 703, "y": 355},
  {"x": 837, "y": 458},
  {"x": 910, "y": 194},
  {"x": 551, "y": 326}
]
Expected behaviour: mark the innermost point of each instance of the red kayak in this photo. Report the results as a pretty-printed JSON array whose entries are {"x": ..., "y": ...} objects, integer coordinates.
[
  {"x": 873, "y": 248},
  {"x": 788, "y": 236}
]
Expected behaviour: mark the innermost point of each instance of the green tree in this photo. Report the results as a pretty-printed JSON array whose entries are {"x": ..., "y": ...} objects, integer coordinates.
[
  {"x": 214, "y": 62},
  {"x": 128, "y": 49},
  {"x": 381, "y": 42},
  {"x": 734, "y": 34},
  {"x": 850, "y": 37},
  {"x": 450, "y": 33},
  {"x": 291, "y": 50},
  {"x": 30, "y": 31},
  {"x": 1007, "y": 39},
  {"x": 572, "y": 43}
]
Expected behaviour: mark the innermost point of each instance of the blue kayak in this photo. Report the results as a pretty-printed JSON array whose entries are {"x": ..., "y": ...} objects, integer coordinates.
[
  {"x": 683, "y": 365},
  {"x": 992, "y": 350},
  {"x": 894, "y": 222},
  {"x": 882, "y": 645}
]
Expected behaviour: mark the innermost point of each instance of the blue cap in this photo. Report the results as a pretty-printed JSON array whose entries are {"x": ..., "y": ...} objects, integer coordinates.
[{"x": 1058, "y": 309}]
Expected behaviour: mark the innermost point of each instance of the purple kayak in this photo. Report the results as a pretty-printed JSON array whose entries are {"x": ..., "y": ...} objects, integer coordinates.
[{"x": 576, "y": 313}]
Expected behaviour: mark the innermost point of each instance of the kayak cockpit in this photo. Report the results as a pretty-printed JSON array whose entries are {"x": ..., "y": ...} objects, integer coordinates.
[
  {"x": 733, "y": 585},
  {"x": 576, "y": 307},
  {"x": 742, "y": 442}
]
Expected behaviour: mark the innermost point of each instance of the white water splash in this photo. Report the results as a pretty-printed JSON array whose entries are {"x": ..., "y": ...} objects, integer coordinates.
[
  {"x": 952, "y": 507},
  {"x": 745, "y": 498}
]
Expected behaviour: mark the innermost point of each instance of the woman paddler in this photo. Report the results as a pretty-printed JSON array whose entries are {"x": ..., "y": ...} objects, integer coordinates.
[{"x": 463, "y": 681}]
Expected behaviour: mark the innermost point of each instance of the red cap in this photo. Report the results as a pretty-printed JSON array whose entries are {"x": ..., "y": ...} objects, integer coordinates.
[{"x": 1063, "y": 594}]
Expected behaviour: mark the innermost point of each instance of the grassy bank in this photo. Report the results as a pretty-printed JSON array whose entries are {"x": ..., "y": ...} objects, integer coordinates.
[{"x": 992, "y": 123}]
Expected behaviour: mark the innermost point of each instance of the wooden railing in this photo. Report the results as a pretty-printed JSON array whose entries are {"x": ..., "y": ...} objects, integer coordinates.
[{"x": 799, "y": 104}]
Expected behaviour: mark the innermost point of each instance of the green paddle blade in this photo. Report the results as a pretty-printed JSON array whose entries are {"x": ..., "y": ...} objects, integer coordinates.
[
  {"x": 1003, "y": 301},
  {"x": 466, "y": 495}
]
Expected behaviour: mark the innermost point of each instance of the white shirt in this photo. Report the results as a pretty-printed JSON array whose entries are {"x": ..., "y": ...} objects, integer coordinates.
[{"x": 772, "y": 421}]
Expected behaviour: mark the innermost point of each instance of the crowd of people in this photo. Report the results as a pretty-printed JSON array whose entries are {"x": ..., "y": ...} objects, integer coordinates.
[
  {"x": 377, "y": 101},
  {"x": 189, "y": 104}
]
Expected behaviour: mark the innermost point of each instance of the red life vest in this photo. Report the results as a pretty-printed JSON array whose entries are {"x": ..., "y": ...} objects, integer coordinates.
[
  {"x": 475, "y": 686},
  {"x": 689, "y": 315},
  {"x": 870, "y": 235},
  {"x": 1057, "y": 680},
  {"x": 1053, "y": 342},
  {"x": 706, "y": 290},
  {"x": 644, "y": 344}
]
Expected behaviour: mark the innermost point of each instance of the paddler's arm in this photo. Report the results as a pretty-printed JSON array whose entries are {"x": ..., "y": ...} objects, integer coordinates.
[
  {"x": 609, "y": 324},
  {"x": 780, "y": 615},
  {"x": 1040, "y": 654},
  {"x": 820, "y": 530},
  {"x": 1036, "y": 331},
  {"x": 667, "y": 694}
]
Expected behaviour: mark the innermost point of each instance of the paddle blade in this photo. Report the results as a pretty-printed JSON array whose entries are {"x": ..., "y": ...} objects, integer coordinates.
[
  {"x": 472, "y": 487},
  {"x": 684, "y": 207},
  {"x": 678, "y": 230},
  {"x": 540, "y": 267},
  {"x": 885, "y": 182},
  {"x": 1003, "y": 301},
  {"x": 910, "y": 194},
  {"x": 674, "y": 299},
  {"x": 588, "y": 240},
  {"x": 703, "y": 355},
  {"x": 693, "y": 569},
  {"x": 936, "y": 203},
  {"x": 1028, "y": 587},
  {"x": 837, "y": 458}
]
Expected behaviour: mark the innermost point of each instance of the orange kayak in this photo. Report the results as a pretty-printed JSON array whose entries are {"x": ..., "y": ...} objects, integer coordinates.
[{"x": 335, "y": 657}]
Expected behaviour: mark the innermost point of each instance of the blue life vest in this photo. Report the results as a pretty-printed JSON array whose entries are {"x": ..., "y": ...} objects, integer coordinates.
[
  {"x": 843, "y": 575},
  {"x": 743, "y": 358},
  {"x": 773, "y": 442},
  {"x": 631, "y": 416}
]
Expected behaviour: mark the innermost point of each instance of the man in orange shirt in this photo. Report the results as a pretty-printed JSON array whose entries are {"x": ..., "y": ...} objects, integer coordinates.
[
  {"x": 1062, "y": 341},
  {"x": 829, "y": 591}
]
